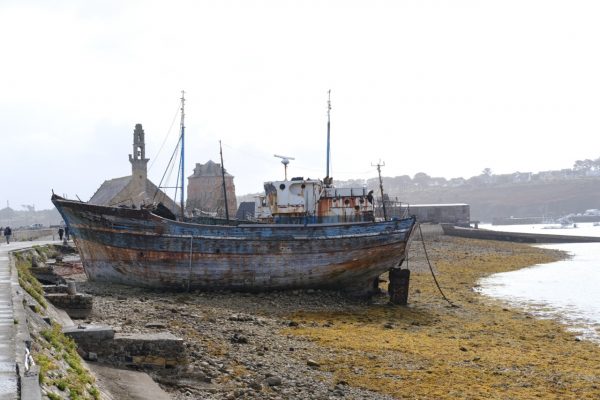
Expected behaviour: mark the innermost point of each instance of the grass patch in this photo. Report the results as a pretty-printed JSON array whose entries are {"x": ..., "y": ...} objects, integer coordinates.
[
  {"x": 26, "y": 279},
  {"x": 77, "y": 380},
  {"x": 45, "y": 363}
]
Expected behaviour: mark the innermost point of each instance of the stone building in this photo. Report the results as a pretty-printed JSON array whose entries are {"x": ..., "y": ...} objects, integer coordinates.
[
  {"x": 135, "y": 189},
  {"x": 205, "y": 190},
  {"x": 458, "y": 213}
]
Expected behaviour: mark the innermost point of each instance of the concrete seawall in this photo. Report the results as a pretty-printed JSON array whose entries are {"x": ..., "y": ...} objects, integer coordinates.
[
  {"x": 18, "y": 379},
  {"x": 518, "y": 237}
]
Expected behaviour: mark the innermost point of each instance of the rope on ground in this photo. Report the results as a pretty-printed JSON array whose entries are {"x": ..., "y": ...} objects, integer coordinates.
[{"x": 431, "y": 269}]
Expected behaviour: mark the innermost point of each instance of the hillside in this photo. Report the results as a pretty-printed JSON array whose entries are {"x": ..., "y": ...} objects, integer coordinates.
[{"x": 519, "y": 200}]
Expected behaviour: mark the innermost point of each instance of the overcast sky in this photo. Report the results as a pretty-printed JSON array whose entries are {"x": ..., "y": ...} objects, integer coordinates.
[{"x": 442, "y": 87}]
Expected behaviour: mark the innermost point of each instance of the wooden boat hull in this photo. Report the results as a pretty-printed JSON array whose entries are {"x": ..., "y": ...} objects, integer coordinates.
[{"x": 136, "y": 247}]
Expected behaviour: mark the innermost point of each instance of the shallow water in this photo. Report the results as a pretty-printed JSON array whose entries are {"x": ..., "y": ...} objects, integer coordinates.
[{"x": 568, "y": 290}]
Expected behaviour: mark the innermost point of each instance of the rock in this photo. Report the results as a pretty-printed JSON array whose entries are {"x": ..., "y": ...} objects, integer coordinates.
[
  {"x": 239, "y": 338},
  {"x": 312, "y": 363},
  {"x": 241, "y": 318},
  {"x": 255, "y": 385},
  {"x": 463, "y": 348},
  {"x": 156, "y": 324},
  {"x": 388, "y": 325},
  {"x": 92, "y": 356},
  {"x": 36, "y": 262},
  {"x": 292, "y": 323},
  {"x": 273, "y": 381}
]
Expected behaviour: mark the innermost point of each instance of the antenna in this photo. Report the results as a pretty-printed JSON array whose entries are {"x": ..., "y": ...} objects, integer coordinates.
[
  {"x": 379, "y": 165},
  {"x": 327, "y": 178},
  {"x": 285, "y": 160}
]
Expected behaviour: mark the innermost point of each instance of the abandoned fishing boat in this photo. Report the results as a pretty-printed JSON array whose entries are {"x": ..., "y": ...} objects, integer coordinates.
[
  {"x": 137, "y": 247},
  {"x": 307, "y": 234}
]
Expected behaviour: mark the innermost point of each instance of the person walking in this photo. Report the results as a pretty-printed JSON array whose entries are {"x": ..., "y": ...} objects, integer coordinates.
[
  {"x": 61, "y": 231},
  {"x": 7, "y": 233}
]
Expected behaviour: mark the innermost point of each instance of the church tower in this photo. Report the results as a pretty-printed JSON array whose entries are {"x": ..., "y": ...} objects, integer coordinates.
[{"x": 138, "y": 160}]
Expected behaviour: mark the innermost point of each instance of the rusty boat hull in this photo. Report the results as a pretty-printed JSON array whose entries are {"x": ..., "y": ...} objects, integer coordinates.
[{"x": 136, "y": 247}]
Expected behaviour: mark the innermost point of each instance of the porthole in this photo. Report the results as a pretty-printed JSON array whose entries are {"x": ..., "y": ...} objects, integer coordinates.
[{"x": 282, "y": 186}]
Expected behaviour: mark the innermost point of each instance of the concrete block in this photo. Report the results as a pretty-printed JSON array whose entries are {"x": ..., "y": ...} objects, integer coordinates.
[{"x": 90, "y": 335}]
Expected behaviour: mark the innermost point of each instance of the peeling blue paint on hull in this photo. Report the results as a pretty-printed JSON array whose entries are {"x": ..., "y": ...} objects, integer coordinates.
[{"x": 136, "y": 247}]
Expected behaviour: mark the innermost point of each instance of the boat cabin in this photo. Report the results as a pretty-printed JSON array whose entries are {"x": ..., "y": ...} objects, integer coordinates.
[{"x": 310, "y": 201}]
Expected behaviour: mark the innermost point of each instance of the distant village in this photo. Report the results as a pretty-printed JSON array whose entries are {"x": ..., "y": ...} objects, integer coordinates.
[{"x": 581, "y": 169}]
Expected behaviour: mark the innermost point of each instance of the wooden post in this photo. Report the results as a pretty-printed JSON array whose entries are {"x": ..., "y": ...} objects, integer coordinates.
[{"x": 398, "y": 286}]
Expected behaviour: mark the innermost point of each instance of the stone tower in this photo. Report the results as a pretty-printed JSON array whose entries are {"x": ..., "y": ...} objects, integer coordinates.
[
  {"x": 138, "y": 160},
  {"x": 205, "y": 190},
  {"x": 136, "y": 189}
]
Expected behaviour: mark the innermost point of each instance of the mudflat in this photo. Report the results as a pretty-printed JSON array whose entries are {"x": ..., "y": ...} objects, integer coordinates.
[{"x": 322, "y": 345}]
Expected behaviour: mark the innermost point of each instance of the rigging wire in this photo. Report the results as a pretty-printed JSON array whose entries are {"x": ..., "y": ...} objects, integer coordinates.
[
  {"x": 169, "y": 169},
  {"x": 177, "y": 180},
  {"x": 166, "y": 137},
  {"x": 431, "y": 269}
]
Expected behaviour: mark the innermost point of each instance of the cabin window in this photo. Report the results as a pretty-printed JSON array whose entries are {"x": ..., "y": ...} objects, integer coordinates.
[
  {"x": 356, "y": 208},
  {"x": 347, "y": 201},
  {"x": 303, "y": 186},
  {"x": 282, "y": 186}
]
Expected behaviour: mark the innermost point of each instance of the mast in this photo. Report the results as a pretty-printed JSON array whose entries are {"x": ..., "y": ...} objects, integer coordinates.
[
  {"x": 182, "y": 154},
  {"x": 224, "y": 186},
  {"x": 379, "y": 165},
  {"x": 327, "y": 178}
]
